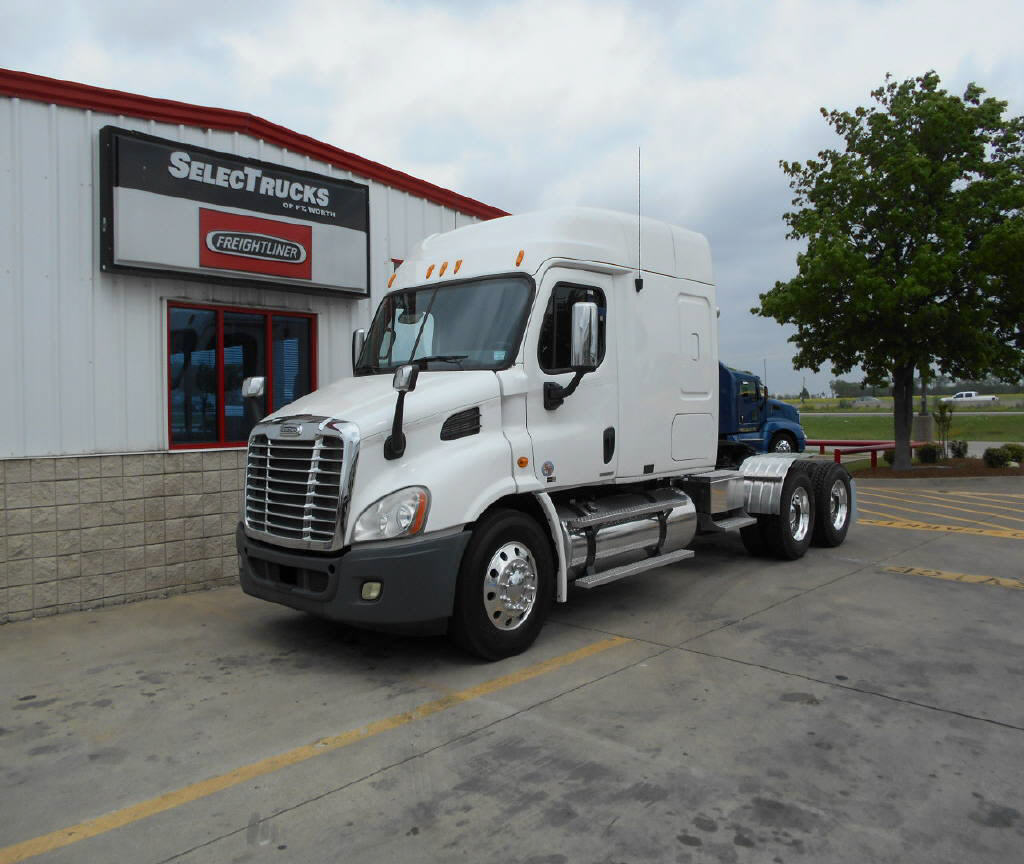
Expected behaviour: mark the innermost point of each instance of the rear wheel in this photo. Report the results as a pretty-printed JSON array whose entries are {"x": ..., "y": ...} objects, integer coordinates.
[
  {"x": 753, "y": 538},
  {"x": 789, "y": 534},
  {"x": 833, "y": 504},
  {"x": 505, "y": 586}
]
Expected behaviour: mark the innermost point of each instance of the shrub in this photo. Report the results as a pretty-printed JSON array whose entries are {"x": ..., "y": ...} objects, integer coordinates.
[
  {"x": 1016, "y": 452},
  {"x": 889, "y": 456},
  {"x": 928, "y": 454},
  {"x": 958, "y": 449},
  {"x": 845, "y": 403},
  {"x": 996, "y": 457}
]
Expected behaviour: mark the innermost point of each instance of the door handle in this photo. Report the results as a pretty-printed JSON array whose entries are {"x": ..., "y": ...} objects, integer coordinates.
[{"x": 609, "y": 444}]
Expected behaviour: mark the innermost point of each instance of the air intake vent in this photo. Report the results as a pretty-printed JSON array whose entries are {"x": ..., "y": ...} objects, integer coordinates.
[{"x": 461, "y": 424}]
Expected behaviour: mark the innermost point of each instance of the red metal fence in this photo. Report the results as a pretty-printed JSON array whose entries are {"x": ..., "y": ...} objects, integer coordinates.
[{"x": 847, "y": 447}]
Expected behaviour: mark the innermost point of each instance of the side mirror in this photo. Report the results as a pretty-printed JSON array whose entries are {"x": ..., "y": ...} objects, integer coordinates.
[
  {"x": 358, "y": 340},
  {"x": 583, "y": 355},
  {"x": 252, "y": 388},
  {"x": 405, "y": 378}
]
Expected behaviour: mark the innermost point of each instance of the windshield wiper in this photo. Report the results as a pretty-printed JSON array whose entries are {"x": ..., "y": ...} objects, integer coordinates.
[{"x": 440, "y": 358}]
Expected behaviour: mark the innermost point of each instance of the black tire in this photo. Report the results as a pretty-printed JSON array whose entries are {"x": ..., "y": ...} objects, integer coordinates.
[
  {"x": 473, "y": 625},
  {"x": 782, "y": 442},
  {"x": 833, "y": 504},
  {"x": 754, "y": 540},
  {"x": 789, "y": 534}
]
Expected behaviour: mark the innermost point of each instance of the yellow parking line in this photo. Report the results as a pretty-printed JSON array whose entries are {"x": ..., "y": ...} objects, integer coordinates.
[
  {"x": 905, "y": 525},
  {"x": 983, "y": 502},
  {"x": 970, "y": 578},
  {"x": 992, "y": 494},
  {"x": 887, "y": 502},
  {"x": 169, "y": 800}
]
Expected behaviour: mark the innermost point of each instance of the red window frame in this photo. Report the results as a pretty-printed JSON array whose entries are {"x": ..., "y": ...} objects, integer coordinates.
[{"x": 268, "y": 359}]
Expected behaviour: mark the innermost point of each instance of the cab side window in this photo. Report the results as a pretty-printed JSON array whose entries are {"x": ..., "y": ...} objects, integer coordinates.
[{"x": 554, "y": 345}]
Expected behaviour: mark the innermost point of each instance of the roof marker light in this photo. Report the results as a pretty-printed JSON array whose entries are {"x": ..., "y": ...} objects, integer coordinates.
[
  {"x": 519, "y": 257},
  {"x": 430, "y": 270},
  {"x": 458, "y": 264},
  {"x": 443, "y": 268},
  {"x": 392, "y": 279}
]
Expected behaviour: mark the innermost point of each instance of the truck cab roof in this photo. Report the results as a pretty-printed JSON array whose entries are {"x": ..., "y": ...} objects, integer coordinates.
[{"x": 571, "y": 233}]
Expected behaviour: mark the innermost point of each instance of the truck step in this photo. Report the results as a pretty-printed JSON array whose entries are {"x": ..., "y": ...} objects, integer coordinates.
[
  {"x": 595, "y": 579},
  {"x": 708, "y": 525}
]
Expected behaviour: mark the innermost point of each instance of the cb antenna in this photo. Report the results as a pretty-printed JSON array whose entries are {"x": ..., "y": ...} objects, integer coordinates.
[{"x": 639, "y": 281}]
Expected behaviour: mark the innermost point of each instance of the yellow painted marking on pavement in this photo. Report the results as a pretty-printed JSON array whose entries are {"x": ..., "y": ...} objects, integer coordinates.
[
  {"x": 970, "y": 578},
  {"x": 930, "y": 496},
  {"x": 169, "y": 800},
  {"x": 928, "y": 526},
  {"x": 887, "y": 502},
  {"x": 956, "y": 497},
  {"x": 991, "y": 494}
]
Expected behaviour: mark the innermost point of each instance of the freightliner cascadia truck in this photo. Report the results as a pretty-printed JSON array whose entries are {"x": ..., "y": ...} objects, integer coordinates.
[{"x": 532, "y": 412}]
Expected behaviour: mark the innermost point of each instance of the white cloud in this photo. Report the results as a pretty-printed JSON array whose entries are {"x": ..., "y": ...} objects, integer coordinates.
[{"x": 531, "y": 103}]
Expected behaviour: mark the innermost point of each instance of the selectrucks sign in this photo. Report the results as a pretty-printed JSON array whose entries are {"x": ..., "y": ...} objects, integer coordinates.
[{"x": 186, "y": 211}]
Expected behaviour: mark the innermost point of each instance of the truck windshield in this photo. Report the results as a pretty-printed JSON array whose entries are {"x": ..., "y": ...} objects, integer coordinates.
[{"x": 476, "y": 324}]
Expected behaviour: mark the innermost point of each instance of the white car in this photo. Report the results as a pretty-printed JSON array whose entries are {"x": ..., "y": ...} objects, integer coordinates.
[{"x": 970, "y": 397}]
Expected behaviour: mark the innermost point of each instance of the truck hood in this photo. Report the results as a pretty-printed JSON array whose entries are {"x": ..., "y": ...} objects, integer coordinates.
[
  {"x": 782, "y": 409},
  {"x": 369, "y": 401}
]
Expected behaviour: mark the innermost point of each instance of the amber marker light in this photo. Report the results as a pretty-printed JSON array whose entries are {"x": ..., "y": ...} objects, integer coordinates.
[
  {"x": 443, "y": 268},
  {"x": 519, "y": 257},
  {"x": 430, "y": 270},
  {"x": 458, "y": 265},
  {"x": 392, "y": 279},
  {"x": 421, "y": 514},
  {"x": 522, "y": 461}
]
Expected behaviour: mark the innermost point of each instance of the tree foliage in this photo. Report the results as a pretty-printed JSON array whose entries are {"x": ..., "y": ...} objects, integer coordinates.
[{"x": 914, "y": 235}]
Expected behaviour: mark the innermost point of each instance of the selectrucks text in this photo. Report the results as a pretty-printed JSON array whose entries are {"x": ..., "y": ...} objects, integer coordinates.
[
  {"x": 182, "y": 166},
  {"x": 533, "y": 412}
]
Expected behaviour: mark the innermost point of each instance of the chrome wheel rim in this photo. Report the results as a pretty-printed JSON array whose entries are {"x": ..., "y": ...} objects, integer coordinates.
[
  {"x": 799, "y": 514},
  {"x": 510, "y": 585},
  {"x": 783, "y": 446},
  {"x": 838, "y": 504}
]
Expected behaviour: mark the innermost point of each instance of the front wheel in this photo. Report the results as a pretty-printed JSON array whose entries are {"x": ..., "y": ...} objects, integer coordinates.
[
  {"x": 782, "y": 442},
  {"x": 505, "y": 586},
  {"x": 789, "y": 534}
]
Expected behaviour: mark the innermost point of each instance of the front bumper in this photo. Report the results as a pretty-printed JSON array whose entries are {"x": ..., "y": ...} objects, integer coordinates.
[{"x": 417, "y": 576}]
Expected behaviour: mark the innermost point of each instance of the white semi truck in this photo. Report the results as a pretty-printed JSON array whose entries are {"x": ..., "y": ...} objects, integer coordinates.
[{"x": 531, "y": 412}]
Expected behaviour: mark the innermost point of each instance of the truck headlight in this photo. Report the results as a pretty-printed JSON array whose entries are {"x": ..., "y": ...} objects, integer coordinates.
[{"x": 400, "y": 514}]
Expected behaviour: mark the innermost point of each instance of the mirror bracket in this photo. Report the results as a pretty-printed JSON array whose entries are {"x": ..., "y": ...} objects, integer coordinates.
[{"x": 404, "y": 382}]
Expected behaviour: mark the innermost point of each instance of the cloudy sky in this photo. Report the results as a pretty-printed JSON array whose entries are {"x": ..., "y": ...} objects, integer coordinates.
[{"x": 528, "y": 103}]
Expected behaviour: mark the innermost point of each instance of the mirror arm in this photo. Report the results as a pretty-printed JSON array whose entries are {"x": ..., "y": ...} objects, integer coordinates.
[
  {"x": 555, "y": 394},
  {"x": 394, "y": 447}
]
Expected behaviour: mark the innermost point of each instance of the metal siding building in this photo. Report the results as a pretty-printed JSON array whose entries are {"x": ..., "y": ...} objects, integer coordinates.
[{"x": 85, "y": 353}]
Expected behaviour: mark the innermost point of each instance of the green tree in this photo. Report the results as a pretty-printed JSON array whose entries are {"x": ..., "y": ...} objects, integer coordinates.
[{"x": 914, "y": 238}]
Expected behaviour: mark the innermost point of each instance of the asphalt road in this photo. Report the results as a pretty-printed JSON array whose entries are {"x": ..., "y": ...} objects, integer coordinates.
[{"x": 863, "y": 704}]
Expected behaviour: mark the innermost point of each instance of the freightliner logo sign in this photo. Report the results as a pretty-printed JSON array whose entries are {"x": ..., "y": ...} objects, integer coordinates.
[{"x": 262, "y": 221}]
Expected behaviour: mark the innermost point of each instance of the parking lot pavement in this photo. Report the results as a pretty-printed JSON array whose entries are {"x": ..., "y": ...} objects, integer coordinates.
[{"x": 862, "y": 704}]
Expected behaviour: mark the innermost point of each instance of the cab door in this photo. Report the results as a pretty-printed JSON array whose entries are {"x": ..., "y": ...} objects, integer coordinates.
[
  {"x": 575, "y": 443},
  {"x": 751, "y": 411}
]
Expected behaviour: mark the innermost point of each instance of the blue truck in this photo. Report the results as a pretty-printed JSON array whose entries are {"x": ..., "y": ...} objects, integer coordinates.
[{"x": 747, "y": 416}]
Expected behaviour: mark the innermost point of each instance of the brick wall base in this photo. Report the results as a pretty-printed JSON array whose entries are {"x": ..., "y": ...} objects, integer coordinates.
[{"x": 81, "y": 532}]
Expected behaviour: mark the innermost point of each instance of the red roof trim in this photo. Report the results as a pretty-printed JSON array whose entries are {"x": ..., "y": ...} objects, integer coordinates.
[{"x": 24, "y": 85}]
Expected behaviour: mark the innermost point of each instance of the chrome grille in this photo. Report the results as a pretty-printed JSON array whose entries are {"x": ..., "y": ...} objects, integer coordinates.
[{"x": 293, "y": 488}]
